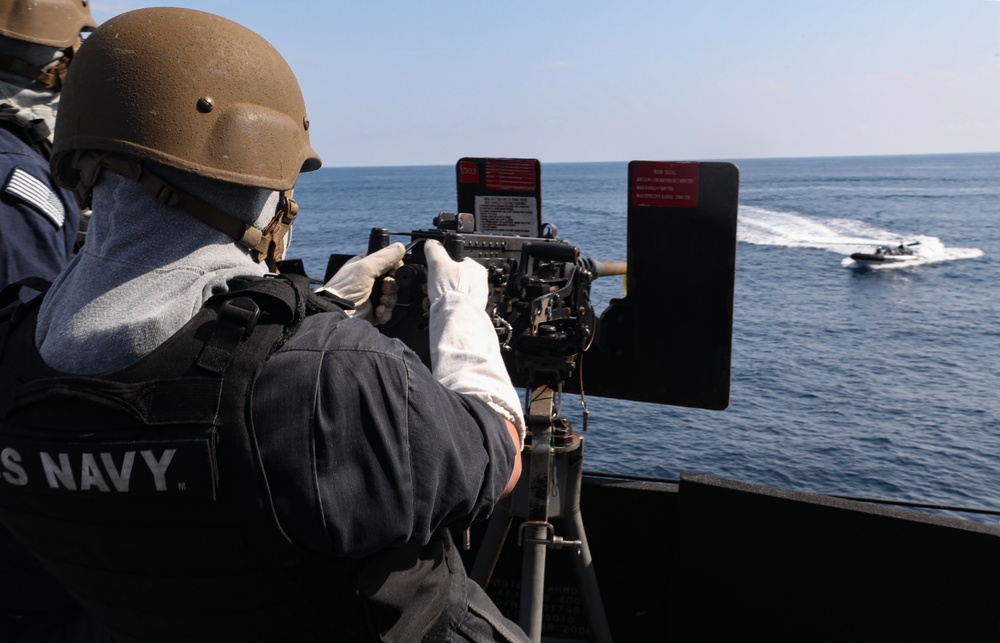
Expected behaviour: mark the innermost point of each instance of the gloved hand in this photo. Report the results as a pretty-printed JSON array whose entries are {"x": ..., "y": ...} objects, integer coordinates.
[
  {"x": 465, "y": 353},
  {"x": 355, "y": 279}
]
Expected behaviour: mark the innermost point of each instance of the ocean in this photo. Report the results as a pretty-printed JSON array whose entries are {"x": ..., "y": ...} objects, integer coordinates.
[{"x": 880, "y": 382}]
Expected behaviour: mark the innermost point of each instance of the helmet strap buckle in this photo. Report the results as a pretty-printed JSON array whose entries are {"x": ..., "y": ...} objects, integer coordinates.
[{"x": 273, "y": 242}]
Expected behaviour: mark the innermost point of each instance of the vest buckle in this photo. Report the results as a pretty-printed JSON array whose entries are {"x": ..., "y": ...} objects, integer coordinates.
[{"x": 241, "y": 311}]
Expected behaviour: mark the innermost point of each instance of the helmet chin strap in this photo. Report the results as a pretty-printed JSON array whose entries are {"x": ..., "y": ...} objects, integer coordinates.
[
  {"x": 267, "y": 245},
  {"x": 51, "y": 76}
]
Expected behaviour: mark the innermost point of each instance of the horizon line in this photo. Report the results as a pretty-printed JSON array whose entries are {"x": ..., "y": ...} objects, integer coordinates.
[{"x": 746, "y": 158}]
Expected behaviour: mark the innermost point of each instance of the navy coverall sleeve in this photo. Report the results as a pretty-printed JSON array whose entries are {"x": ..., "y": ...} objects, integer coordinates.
[
  {"x": 38, "y": 221},
  {"x": 363, "y": 449}
]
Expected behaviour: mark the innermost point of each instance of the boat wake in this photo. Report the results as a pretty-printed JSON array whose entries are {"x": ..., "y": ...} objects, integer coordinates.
[{"x": 762, "y": 227}]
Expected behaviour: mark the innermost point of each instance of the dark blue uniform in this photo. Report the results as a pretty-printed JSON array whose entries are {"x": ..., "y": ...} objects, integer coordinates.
[
  {"x": 38, "y": 227},
  {"x": 260, "y": 476},
  {"x": 38, "y": 220}
]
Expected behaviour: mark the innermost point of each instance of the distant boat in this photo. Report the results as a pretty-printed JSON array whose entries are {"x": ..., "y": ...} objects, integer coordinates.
[{"x": 888, "y": 254}]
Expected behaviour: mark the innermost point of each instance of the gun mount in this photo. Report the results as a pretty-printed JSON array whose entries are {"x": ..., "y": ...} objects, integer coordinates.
[{"x": 668, "y": 341}]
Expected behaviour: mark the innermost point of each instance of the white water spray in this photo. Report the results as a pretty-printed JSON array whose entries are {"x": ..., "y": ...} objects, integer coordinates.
[{"x": 763, "y": 227}]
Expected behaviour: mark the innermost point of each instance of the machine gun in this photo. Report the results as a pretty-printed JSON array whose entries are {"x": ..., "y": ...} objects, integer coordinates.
[
  {"x": 668, "y": 341},
  {"x": 539, "y": 298}
]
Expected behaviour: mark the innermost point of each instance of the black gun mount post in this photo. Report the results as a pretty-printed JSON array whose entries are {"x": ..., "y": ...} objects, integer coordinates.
[{"x": 550, "y": 489}]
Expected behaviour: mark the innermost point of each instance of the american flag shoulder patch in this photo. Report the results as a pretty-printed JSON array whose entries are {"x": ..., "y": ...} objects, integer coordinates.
[{"x": 37, "y": 194}]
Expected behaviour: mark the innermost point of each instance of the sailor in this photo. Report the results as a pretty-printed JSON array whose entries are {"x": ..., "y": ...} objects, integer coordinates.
[
  {"x": 39, "y": 224},
  {"x": 204, "y": 451},
  {"x": 38, "y": 220}
]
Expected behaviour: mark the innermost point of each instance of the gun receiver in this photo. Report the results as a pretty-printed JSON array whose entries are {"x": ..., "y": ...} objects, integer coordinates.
[{"x": 539, "y": 292}]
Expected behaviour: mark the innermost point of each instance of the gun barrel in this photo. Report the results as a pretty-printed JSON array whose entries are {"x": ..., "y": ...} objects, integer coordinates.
[{"x": 607, "y": 268}]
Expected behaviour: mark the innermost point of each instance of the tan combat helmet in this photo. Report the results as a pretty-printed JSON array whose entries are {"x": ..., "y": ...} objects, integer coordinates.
[
  {"x": 56, "y": 23},
  {"x": 47, "y": 23},
  {"x": 192, "y": 91}
]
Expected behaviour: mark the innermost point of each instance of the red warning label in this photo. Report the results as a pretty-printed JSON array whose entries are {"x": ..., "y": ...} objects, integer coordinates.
[
  {"x": 664, "y": 184},
  {"x": 511, "y": 175},
  {"x": 468, "y": 172}
]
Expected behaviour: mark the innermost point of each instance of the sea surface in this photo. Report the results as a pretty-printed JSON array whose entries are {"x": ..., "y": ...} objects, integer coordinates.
[{"x": 877, "y": 382}]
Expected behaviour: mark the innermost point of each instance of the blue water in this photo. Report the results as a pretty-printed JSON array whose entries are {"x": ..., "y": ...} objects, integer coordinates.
[{"x": 878, "y": 382}]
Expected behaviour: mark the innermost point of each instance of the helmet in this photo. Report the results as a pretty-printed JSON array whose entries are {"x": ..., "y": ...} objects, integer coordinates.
[
  {"x": 187, "y": 89},
  {"x": 56, "y": 23}
]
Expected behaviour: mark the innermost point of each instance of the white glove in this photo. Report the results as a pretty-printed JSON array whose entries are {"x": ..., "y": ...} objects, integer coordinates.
[
  {"x": 465, "y": 353},
  {"x": 355, "y": 279}
]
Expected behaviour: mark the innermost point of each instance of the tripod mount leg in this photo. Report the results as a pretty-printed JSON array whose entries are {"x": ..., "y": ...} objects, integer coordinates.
[{"x": 547, "y": 464}]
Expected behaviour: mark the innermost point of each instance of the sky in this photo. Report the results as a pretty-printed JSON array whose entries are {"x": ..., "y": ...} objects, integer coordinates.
[{"x": 426, "y": 83}]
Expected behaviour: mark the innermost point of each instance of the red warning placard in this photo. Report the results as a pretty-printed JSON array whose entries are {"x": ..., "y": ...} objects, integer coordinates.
[
  {"x": 664, "y": 184},
  {"x": 511, "y": 175},
  {"x": 468, "y": 172}
]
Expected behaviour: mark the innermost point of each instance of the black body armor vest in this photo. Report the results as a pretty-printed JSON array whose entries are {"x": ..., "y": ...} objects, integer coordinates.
[{"x": 142, "y": 489}]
